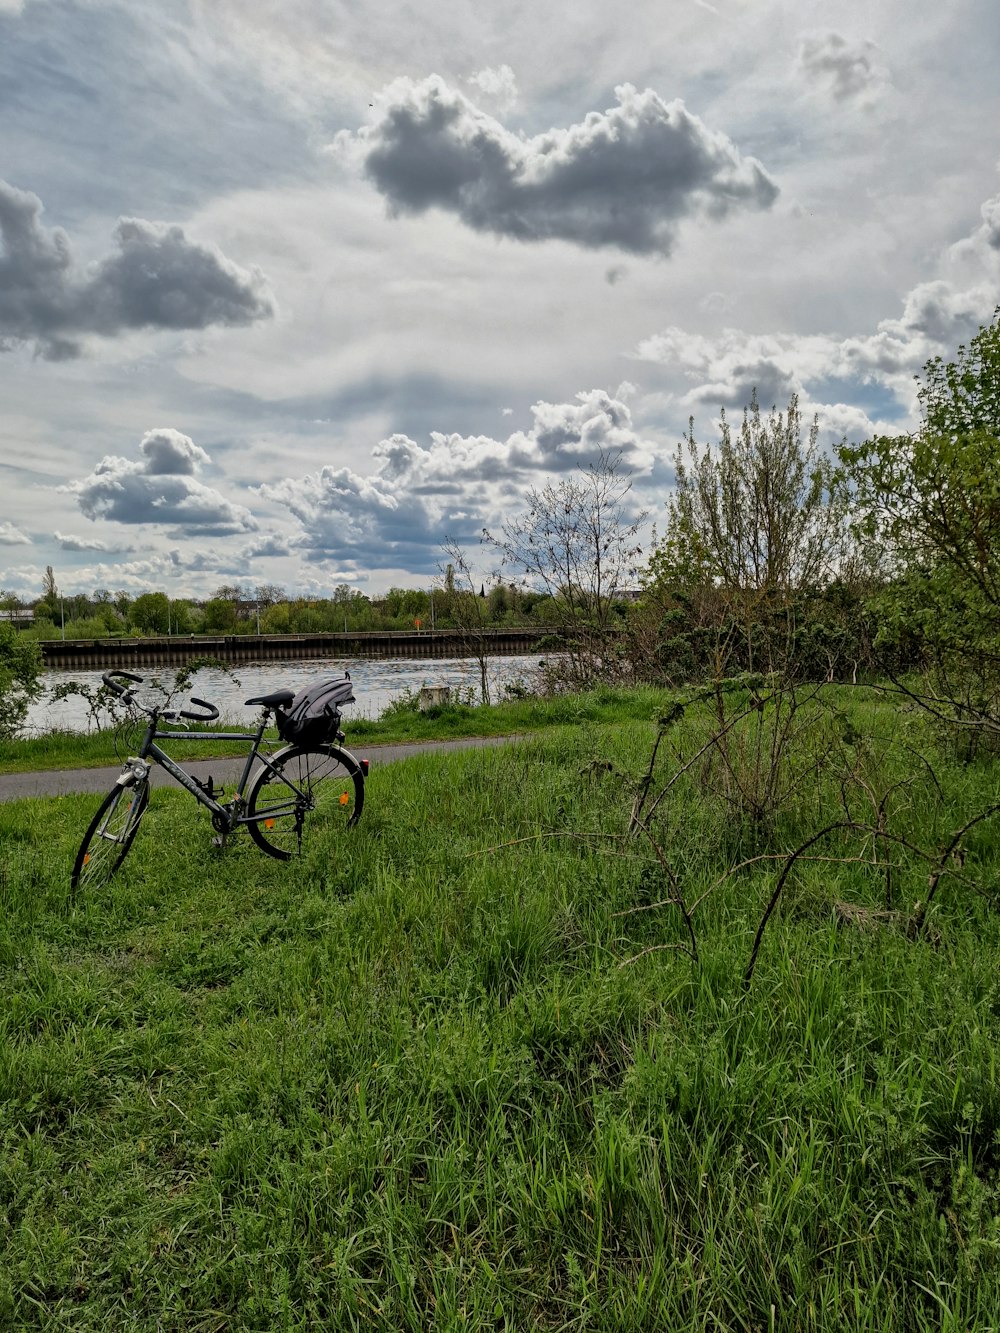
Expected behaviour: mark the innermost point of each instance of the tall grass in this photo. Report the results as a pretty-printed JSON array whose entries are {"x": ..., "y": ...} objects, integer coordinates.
[{"x": 411, "y": 1081}]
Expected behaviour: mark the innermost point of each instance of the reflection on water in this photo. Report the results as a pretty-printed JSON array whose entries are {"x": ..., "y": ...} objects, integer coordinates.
[{"x": 376, "y": 683}]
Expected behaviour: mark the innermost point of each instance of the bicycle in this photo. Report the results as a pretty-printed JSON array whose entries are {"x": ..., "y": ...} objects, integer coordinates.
[{"x": 317, "y": 777}]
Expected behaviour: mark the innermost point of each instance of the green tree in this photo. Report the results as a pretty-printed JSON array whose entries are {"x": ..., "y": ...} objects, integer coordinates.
[
  {"x": 20, "y": 678},
  {"x": 500, "y": 601},
  {"x": 756, "y": 527},
  {"x": 220, "y": 615},
  {"x": 150, "y": 613},
  {"x": 47, "y": 608},
  {"x": 276, "y": 619},
  {"x": 928, "y": 505},
  {"x": 763, "y": 512}
]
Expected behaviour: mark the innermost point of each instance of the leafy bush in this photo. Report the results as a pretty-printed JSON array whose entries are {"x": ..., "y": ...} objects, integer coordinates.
[
  {"x": 20, "y": 679},
  {"x": 930, "y": 505}
]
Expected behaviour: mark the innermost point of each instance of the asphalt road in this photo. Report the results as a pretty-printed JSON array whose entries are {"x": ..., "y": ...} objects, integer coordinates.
[{"x": 224, "y": 772}]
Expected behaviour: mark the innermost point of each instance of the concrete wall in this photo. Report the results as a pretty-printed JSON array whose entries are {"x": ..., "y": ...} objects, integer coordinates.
[{"x": 100, "y": 654}]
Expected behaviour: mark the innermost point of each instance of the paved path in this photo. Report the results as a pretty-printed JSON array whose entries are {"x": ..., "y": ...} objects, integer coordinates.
[{"x": 64, "y": 781}]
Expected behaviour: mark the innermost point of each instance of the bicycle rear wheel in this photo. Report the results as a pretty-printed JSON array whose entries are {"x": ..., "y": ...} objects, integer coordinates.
[
  {"x": 325, "y": 786},
  {"x": 109, "y": 837}
]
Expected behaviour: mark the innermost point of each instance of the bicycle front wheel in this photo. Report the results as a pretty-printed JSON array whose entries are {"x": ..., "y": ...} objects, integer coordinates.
[
  {"x": 325, "y": 787},
  {"x": 109, "y": 837}
]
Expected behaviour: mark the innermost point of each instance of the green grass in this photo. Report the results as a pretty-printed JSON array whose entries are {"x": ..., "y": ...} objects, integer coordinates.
[
  {"x": 61, "y": 749},
  {"x": 411, "y": 1082}
]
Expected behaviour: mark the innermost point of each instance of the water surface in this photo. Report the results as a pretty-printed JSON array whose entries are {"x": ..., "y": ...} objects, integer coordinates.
[{"x": 376, "y": 684}]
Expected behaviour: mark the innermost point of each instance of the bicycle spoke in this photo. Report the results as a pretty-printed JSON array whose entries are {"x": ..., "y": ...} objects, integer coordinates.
[{"x": 320, "y": 788}]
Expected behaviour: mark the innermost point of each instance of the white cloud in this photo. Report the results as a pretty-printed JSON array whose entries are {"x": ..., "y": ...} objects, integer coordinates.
[
  {"x": 724, "y": 369},
  {"x": 622, "y": 178},
  {"x": 498, "y": 85},
  {"x": 160, "y": 489},
  {"x": 11, "y": 536},
  {"x": 69, "y": 542},
  {"x": 398, "y": 515},
  {"x": 937, "y": 315}
]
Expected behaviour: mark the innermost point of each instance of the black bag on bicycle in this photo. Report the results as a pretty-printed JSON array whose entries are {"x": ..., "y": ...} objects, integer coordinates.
[{"x": 313, "y": 716}]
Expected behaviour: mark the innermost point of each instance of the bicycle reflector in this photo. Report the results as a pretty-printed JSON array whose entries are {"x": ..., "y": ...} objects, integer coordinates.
[{"x": 364, "y": 767}]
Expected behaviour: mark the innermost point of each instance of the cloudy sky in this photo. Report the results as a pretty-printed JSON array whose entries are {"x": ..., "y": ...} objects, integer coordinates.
[{"x": 292, "y": 291}]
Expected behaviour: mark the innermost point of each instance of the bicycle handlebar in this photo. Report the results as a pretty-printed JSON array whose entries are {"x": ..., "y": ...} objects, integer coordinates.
[
  {"x": 209, "y": 716},
  {"x": 111, "y": 679}
]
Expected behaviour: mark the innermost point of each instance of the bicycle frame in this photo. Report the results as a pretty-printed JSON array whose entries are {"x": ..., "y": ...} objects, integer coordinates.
[{"x": 226, "y": 814}]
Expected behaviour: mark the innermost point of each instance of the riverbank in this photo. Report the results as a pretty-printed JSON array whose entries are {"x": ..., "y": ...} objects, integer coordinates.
[
  {"x": 401, "y": 725},
  {"x": 177, "y": 650}
]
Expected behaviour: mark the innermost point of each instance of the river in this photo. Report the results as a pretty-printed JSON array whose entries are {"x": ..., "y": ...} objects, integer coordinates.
[{"x": 376, "y": 684}]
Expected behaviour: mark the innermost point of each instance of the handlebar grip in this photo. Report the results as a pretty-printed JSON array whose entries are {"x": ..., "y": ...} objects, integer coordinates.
[
  {"x": 209, "y": 716},
  {"x": 111, "y": 678}
]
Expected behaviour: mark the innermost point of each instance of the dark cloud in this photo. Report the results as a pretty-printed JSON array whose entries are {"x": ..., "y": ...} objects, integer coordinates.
[
  {"x": 624, "y": 177},
  {"x": 271, "y": 546},
  {"x": 160, "y": 489},
  {"x": 773, "y": 383},
  {"x": 418, "y": 495},
  {"x": 156, "y": 278},
  {"x": 847, "y": 69}
]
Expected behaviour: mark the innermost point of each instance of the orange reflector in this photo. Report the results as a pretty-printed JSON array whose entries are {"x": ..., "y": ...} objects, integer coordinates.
[
  {"x": 269, "y": 823},
  {"x": 86, "y": 858},
  {"x": 344, "y": 798}
]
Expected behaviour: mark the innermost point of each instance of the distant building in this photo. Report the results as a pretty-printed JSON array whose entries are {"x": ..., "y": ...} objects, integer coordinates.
[{"x": 19, "y": 616}]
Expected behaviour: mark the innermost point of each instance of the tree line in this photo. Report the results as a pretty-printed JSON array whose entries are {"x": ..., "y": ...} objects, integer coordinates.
[
  {"x": 775, "y": 558},
  {"x": 268, "y": 609}
]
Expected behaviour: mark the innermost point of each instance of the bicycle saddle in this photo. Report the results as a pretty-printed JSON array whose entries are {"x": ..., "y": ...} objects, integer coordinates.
[{"x": 277, "y": 699}]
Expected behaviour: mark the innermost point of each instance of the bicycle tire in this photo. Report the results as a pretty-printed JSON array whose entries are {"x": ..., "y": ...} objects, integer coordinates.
[
  {"x": 324, "y": 783},
  {"x": 110, "y": 835}
]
